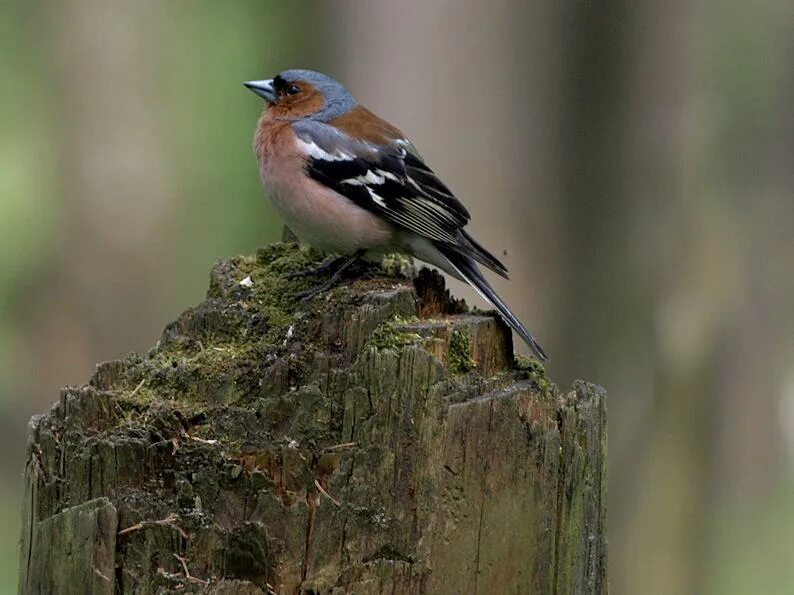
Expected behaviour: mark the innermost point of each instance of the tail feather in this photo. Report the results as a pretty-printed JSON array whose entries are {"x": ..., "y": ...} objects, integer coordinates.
[
  {"x": 474, "y": 249},
  {"x": 470, "y": 272}
]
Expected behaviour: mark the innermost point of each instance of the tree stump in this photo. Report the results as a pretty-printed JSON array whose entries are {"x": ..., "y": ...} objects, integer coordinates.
[{"x": 376, "y": 439}]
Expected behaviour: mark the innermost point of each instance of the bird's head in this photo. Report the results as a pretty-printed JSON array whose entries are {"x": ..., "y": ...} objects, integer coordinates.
[{"x": 299, "y": 94}]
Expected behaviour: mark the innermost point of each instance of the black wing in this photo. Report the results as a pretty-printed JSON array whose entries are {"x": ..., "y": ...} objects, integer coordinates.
[{"x": 393, "y": 181}]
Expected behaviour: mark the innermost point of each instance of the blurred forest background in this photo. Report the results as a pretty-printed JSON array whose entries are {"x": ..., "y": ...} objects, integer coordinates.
[{"x": 634, "y": 159}]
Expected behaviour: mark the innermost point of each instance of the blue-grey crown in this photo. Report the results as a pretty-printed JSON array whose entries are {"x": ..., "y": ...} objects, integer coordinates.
[{"x": 338, "y": 100}]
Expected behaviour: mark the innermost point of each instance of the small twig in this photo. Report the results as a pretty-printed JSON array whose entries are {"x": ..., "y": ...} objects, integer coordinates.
[
  {"x": 203, "y": 440},
  {"x": 189, "y": 576},
  {"x": 131, "y": 528},
  {"x": 137, "y": 388},
  {"x": 169, "y": 521},
  {"x": 100, "y": 574},
  {"x": 341, "y": 446},
  {"x": 326, "y": 494}
]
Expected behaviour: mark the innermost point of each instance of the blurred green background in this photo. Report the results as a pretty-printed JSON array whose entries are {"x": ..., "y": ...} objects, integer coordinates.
[{"x": 634, "y": 161}]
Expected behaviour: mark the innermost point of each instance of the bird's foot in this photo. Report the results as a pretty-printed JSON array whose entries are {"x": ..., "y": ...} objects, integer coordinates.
[
  {"x": 334, "y": 280},
  {"x": 305, "y": 296},
  {"x": 318, "y": 270}
]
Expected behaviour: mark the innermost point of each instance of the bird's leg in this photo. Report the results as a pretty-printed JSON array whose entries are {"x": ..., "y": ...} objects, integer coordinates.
[
  {"x": 333, "y": 281},
  {"x": 318, "y": 270}
]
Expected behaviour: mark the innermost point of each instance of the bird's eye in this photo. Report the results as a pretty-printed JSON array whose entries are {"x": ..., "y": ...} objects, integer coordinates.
[{"x": 293, "y": 90}]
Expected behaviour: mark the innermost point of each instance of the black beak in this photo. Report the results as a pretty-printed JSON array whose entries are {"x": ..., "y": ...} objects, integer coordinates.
[{"x": 264, "y": 89}]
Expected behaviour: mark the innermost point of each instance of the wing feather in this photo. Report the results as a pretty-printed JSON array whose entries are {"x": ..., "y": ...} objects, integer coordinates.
[{"x": 392, "y": 180}]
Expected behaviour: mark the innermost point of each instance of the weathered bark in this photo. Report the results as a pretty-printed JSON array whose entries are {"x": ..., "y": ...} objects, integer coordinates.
[{"x": 378, "y": 439}]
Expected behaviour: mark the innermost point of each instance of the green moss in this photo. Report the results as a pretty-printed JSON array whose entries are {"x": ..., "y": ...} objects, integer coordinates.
[
  {"x": 252, "y": 342},
  {"x": 389, "y": 335},
  {"x": 249, "y": 344},
  {"x": 398, "y": 265},
  {"x": 252, "y": 400},
  {"x": 460, "y": 361},
  {"x": 532, "y": 369},
  {"x": 219, "y": 351}
]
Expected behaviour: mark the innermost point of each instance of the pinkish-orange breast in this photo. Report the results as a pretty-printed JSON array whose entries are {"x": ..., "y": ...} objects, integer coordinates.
[{"x": 317, "y": 214}]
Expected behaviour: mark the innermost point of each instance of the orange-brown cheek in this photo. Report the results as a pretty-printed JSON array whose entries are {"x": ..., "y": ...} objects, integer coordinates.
[
  {"x": 299, "y": 106},
  {"x": 313, "y": 103}
]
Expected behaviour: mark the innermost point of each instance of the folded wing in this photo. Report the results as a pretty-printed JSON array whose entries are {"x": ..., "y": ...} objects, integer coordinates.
[{"x": 391, "y": 179}]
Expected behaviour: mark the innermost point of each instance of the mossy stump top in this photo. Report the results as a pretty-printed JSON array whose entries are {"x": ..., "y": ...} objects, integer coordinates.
[{"x": 377, "y": 439}]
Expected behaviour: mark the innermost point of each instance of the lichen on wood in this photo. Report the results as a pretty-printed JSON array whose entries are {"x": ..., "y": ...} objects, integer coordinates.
[{"x": 375, "y": 439}]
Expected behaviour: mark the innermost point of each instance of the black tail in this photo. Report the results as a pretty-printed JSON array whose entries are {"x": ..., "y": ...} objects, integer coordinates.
[
  {"x": 481, "y": 255},
  {"x": 470, "y": 272}
]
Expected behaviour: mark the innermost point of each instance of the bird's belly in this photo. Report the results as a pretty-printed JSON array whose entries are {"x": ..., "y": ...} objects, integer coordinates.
[{"x": 324, "y": 218}]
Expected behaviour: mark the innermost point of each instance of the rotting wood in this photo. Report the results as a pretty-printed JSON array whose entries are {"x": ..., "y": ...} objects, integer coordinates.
[{"x": 378, "y": 439}]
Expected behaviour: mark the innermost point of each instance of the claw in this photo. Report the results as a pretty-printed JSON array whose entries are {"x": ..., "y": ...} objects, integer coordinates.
[
  {"x": 330, "y": 283},
  {"x": 328, "y": 264},
  {"x": 305, "y": 296}
]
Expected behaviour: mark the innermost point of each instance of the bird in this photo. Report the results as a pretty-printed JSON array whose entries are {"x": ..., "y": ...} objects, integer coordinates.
[{"x": 349, "y": 183}]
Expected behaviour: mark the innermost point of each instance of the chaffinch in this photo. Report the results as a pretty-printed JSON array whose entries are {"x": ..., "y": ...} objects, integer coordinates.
[{"x": 350, "y": 183}]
